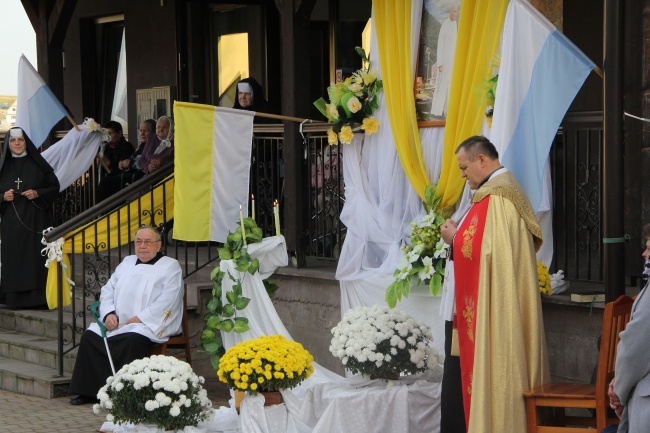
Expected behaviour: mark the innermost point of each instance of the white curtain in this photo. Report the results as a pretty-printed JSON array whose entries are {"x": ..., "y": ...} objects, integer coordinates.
[
  {"x": 120, "y": 112},
  {"x": 380, "y": 204}
]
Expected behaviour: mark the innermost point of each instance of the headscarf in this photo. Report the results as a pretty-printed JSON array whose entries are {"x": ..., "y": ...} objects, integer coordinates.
[
  {"x": 259, "y": 103},
  {"x": 32, "y": 152},
  {"x": 167, "y": 142}
]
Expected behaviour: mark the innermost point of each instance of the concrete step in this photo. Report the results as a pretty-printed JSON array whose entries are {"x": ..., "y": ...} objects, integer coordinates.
[
  {"x": 42, "y": 323},
  {"x": 34, "y": 349},
  {"x": 32, "y": 379}
]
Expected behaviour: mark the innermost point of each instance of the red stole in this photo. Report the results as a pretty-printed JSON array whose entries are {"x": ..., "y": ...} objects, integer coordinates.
[{"x": 467, "y": 264}]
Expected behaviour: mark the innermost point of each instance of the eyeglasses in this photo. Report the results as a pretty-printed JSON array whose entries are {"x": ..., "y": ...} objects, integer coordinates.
[{"x": 147, "y": 242}]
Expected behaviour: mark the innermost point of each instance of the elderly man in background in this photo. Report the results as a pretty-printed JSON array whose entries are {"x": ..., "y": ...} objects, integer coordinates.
[
  {"x": 495, "y": 292},
  {"x": 141, "y": 304}
]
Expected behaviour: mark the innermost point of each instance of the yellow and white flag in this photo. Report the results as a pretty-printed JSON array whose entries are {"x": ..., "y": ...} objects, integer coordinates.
[{"x": 212, "y": 153}]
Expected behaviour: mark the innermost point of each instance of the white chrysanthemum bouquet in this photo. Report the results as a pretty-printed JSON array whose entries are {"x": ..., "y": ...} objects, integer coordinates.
[
  {"x": 381, "y": 342},
  {"x": 160, "y": 390}
]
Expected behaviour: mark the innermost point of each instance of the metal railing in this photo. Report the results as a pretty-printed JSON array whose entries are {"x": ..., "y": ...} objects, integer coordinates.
[{"x": 576, "y": 166}]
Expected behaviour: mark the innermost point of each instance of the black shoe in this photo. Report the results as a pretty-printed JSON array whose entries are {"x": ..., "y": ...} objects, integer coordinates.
[{"x": 82, "y": 399}]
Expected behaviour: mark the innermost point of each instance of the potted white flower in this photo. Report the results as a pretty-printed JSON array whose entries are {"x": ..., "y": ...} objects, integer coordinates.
[
  {"x": 160, "y": 390},
  {"x": 383, "y": 343}
]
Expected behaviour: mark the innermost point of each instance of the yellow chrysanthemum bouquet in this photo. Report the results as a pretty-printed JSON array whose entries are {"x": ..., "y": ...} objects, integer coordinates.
[
  {"x": 352, "y": 103},
  {"x": 544, "y": 279},
  {"x": 267, "y": 363}
]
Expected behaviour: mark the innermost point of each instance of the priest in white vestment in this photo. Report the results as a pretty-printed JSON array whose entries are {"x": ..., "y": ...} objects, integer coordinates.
[
  {"x": 141, "y": 304},
  {"x": 445, "y": 61}
]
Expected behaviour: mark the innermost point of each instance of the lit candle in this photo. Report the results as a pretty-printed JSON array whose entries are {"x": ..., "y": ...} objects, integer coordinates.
[
  {"x": 276, "y": 214},
  {"x": 253, "y": 207},
  {"x": 241, "y": 221}
]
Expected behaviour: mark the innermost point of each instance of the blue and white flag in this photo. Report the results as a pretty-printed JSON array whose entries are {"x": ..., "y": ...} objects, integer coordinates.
[
  {"x": 540, "y": 74},
  {"x": 37, "y": 109}
]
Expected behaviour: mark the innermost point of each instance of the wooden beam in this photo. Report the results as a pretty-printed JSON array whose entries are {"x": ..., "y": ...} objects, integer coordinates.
[
  {"x": 59, "y": 21},
  {"x": 294, "y": 30},
  {"x": 32, "y": 12}
]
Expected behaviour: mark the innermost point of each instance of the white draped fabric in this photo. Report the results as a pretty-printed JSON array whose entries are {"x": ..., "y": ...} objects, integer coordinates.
[
  {"x": 325, "y": 402},
  {"x": 380, "y": 204},
  {"x": 73, "y": 154}
]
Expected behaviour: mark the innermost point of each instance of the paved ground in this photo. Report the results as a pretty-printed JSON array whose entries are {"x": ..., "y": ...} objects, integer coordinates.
[{"x": 26, "y": 414}]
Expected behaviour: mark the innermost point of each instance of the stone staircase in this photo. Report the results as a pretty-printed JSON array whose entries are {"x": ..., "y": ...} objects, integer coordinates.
[{"x": 29, "y": 353}]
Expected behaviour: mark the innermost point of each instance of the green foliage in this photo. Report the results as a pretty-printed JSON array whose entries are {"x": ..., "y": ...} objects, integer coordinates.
[
  {"x": 424, "y": 260},
  {"x": 226, "y": 316}
]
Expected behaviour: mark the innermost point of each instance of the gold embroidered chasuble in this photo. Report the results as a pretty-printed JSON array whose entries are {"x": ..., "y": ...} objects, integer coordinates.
[{"x": 510, "y": 350}]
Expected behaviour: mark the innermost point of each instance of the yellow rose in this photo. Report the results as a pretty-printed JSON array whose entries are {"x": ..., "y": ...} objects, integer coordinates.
[
  {"x": 370, "y": 125},
  {"x": 346, "y": 135},
  {"x": 355, "y": 88},
  {"x": 354, "y": 105}
]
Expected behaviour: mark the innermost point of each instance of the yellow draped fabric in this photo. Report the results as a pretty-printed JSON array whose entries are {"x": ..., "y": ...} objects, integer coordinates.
[
  {"x": 393, "y": 24},
  {"x": 480, "y": 24},
  {"x": 510, "y": 353},
  {"x": 112, "y": 232}
]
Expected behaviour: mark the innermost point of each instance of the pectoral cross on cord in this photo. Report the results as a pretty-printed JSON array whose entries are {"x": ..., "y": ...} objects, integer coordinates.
[{"x": 18, "y": 182}]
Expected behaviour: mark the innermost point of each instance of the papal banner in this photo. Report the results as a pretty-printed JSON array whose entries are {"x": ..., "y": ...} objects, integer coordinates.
[{"x": 212, "y": 169}]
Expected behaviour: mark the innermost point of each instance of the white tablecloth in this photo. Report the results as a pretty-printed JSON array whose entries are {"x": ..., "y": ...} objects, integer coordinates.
[{"x": 356, "y": 405}]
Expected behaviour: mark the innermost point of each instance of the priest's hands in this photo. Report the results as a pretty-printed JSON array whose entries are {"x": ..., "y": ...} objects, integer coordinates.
[
  {"x": 30, "y": 194},
  {"x": 448, "y": 230},
  {"x": 111, "y": 322}
]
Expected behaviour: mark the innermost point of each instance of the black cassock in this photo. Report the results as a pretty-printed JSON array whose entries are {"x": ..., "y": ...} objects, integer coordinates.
[{"x": 23, "y": 221}]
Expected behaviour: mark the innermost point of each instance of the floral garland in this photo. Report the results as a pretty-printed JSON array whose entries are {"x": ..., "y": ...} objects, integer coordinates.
[
  {"x": 381, "y": 341},
  {"x": 545, "y": 286},
  {"x": 267, "y": 363},
  {"x": 160, "y": 390},
  {"x": 224, "y": 317},
  {"x": 426, "y": 257},
  {"x": 352, "y": 103}
]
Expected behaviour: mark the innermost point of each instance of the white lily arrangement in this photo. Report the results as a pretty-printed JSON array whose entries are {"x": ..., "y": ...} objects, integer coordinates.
[
  {"x": 379, "y": 341},
  {"x": 425, "y": 259},
  {"x": 160, "y": 390}
]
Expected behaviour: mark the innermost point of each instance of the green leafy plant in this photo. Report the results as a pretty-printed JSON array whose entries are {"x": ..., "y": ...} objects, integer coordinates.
[
  {"x": 425, "y": 258},
  {"x": 227, "y": 316}
]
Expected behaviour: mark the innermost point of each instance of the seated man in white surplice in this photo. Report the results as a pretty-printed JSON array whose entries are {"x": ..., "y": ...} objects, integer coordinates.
[{"x": 141, "y": 304}]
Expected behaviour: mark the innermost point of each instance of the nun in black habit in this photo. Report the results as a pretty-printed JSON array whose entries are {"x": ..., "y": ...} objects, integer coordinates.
[{"x": 28, "y": 188}]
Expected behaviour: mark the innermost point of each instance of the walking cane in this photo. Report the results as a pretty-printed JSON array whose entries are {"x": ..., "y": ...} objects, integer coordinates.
[{"x": 94, "y": 310}]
